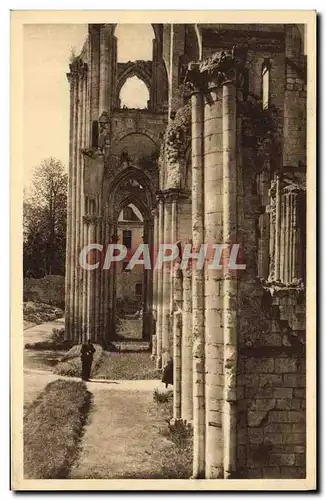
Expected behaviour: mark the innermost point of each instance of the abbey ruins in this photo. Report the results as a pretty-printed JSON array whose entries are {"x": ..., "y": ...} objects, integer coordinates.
[{"x": 217, "y": 155}]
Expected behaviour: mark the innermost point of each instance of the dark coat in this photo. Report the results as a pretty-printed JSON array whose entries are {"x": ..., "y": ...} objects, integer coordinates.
[
  {"x": 86, "y": 354},
  {"x": 167, "y": 376}
]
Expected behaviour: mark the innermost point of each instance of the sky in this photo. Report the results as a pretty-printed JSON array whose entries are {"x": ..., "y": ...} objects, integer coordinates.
[{"x": 46, "y": 55}]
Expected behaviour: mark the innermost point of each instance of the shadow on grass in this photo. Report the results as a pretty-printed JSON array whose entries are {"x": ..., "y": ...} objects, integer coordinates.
[{"x": 53, "y": 428}]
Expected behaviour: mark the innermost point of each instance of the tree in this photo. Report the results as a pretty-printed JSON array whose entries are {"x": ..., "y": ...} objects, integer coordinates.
[{"x": 45, "y": 216}]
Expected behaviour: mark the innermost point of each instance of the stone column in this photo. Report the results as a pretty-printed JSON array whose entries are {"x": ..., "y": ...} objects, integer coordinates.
[
  {"x": 73, "y": 216},
  {"x": 106, "y": 284},
  {"x": 177, "y": 40},
  {"x": 148, "y": 285},
  {"x": 277, "y": 228},
  {"x": 291, "y": 195},
  {"x": 287, "y": 232},
  {"x": 186, "y": 349},
  {"x": 214, "y": 344},
  {"x": 91, "y": 284},
  {"x": 105, "y": 53},
  {"x": 113, "y": 277},
  {"x": 198, "y": 280},
  {"x": 68, "y": 271},
  {"x": 294, "y": 238},
  {"x": 85, "y": 279},
  {"x": 79, "y": 202},
  {"x": 166, "y": 272},
  {"x": 174, "y": 212},
  {"x": 230, "y": 288},
  {"x": 272, "y": 222},
  {"x": 94, "y": 34},
  {"x": 155, "y": 282},
  {"x": 282, "y": 247},
  {"x": 159, "y": 323},
  {"x": 177, "y": 332},
  {"x": 97, "y": 278}
]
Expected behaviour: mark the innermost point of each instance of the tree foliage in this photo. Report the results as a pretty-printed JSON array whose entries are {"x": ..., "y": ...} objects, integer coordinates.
[{"x": 44, "y": 220}]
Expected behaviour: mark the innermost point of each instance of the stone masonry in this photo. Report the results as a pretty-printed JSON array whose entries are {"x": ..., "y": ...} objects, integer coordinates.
[{"x": 217, "y": 157}]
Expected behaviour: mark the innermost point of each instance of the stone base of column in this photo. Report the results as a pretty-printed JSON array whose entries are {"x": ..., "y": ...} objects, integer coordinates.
[
  {"x": 154, "y": 347},
  {"x": 159, "y": 362}
]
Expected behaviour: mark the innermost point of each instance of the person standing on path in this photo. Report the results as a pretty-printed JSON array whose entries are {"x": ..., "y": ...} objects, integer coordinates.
[{"x": 86, "y": 354}]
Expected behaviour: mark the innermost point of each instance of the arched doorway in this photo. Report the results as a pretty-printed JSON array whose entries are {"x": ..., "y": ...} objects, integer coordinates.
[
  {"x": 130, "y": 278},
  {"x": 129, "y": 212}
]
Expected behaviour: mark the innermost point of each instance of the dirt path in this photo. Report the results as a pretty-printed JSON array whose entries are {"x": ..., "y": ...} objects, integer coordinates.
[
  {"x": 42, "y": 332},
  {"x": 121, "y": 437}
]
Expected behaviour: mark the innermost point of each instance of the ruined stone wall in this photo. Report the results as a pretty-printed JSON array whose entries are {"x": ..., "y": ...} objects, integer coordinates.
[
  {"x": 294, "y": 151},
  {"x": 271, "y": 388},
  {"x": 184, "y": 220},
  {"x": 137, "y": 121},
  {"x": 49, "y": 290}
]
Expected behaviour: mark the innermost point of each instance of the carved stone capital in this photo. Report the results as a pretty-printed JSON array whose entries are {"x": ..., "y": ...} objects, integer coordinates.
[
  {"x": 194, "y": 80},
  {"x": 78, "y": 68},
  {"x": 93, "y": 219},
  {"x": 221, "y": 67},
  {"x": 173, "y": 194}
]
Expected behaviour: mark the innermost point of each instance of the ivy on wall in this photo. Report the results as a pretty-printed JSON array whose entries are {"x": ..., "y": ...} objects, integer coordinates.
[
  {"x": 261, "y": 131},
  {"x": 177, "y": 137}
]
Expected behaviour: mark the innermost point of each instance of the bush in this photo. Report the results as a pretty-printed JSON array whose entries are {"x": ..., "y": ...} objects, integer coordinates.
[
  {"x": 53, "y": 427},
  {"x": 127, "y": 366},
  {"x": 70, "y": 363},
  {"x": 56, "y": 343},
  {"x": 162, "y": 396},
  {"x": 38, "y": 312}
]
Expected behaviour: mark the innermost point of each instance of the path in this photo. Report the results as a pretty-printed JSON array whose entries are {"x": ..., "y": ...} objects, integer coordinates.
[
  {"x": 42, "y": 332},
  {"x": 121, "y": 438}
]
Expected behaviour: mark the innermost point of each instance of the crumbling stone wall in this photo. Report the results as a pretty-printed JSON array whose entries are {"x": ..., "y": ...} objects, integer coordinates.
[
  {"x": 49, "y": 290},
  {"x": 271, "y": 388}
]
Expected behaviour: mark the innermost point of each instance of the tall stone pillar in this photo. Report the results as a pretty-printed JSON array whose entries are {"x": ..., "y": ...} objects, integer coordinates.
[
  {"x": 230, "y": 288},
  {"x": 79, "y": 201},
  {"x": 153, "y": 251},
  {"x": 73, "y": 276},
  {"x": 177, "y": 40},
  {"x": 166, "y": 272},
  {"x": 174, "y": 213},
  {"x": 292, "y": 258},
  {"x": 105, "y": 76},
  {"x": 147, "y": 287},
  {"x": 113, "y": 278},
  {"x": 159, "y": 324},
  {"x": 198, "y": 300},
  {"x": 85, "y": 274},
  {"x": 94, "y": 35},
  {"x": 177, "y": 333},
  {"x": 272, "y": 230},
  {"x": 68, "y": 271},
  {"x": 186, "y": 349},
  {"x": 106, "y": 283},
  {"x": 278, "y": 219},
  {"x": 97, "y": 278},
  {"x": 214, "y": 348},
  {"x": 91, "y": 282}
]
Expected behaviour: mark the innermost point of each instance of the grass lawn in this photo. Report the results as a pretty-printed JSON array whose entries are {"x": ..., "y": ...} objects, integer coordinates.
[
  {"x": 70, "y": 365},
  {"x": 53, "y": 425},
  {"x": 127, "y": 366},
  {"x": 42, "y": 360},
  {"x": 175, "y": 460},
  {"x": 35, "y": 313}
]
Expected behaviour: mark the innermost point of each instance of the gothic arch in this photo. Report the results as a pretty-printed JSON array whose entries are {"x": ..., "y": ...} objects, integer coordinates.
[
  {"x": 145, "y": 133},
  {"x": 133, "y": 69},
  {"x": 147, "y": 198}
]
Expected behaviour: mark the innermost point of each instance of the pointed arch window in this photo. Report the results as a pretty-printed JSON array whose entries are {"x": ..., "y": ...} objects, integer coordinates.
[
  {"x": 266, "y": 83},
  {"x": 134, "y": 94}
]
